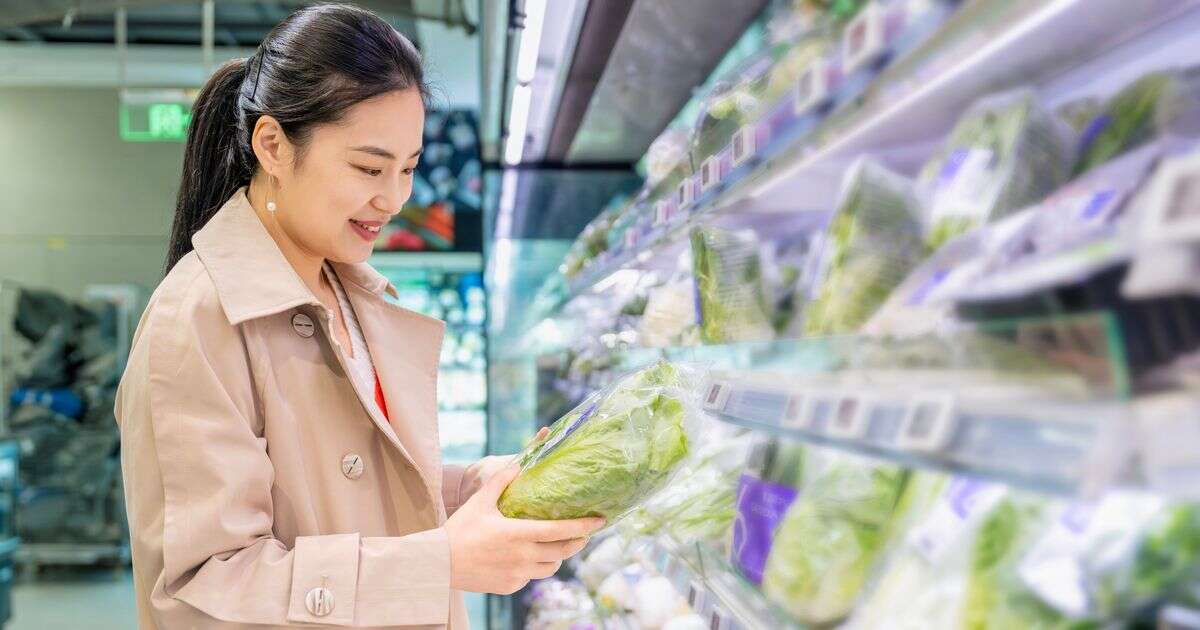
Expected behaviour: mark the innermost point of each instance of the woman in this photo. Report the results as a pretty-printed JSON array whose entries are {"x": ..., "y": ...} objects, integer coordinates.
[{"x": 278, "y": 417}]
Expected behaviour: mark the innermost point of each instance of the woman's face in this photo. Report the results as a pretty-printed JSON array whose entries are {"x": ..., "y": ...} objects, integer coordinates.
[{"x": 353, "y": 177}]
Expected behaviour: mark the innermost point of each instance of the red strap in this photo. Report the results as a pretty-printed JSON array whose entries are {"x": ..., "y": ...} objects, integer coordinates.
[{"x": 379, "y": 397}]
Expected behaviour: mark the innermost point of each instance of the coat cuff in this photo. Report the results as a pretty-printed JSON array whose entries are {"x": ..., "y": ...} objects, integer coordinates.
[
  {"x": 405, "y": 581},
  {"x": 325, "y": 577},
  {"x": 452, "y": 478}
]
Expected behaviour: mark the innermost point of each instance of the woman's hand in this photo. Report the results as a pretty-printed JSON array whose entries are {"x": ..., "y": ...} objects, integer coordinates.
[{"x": 490, "y": 553}]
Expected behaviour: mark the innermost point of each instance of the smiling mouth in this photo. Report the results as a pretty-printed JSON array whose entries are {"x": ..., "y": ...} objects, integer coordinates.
[{"x": 372, "y": 227}]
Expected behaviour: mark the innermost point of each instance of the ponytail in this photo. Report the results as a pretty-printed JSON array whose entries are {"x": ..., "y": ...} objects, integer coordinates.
[{"x": 217, "y": 159}]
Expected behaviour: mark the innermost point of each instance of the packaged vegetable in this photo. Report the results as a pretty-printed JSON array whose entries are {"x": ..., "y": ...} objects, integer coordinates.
[
  {"x": 610, "y": 453},
  {"x": 1161, "y": 103},
  {"x": 655, "y": 602},
  {"x": 922, "y": 580},
  {"x": 830, "y": 538},
  {"x": 670, "y": 314},
  {"x": 1005, "y": 153},
  {"x": 873, "y": 241},
  {"x": 731, "y": 296},
  {"x": 607, "y": 558},
  {"x": 768, "y": 487}
]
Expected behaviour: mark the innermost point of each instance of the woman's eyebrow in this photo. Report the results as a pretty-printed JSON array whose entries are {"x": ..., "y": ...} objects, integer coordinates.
[{"x": 384, "y": 153}]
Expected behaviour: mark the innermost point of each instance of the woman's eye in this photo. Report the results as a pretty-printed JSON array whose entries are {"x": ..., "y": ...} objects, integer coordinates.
[
  {"x": 409, "y": 171},
  {"x": 373, "y": 172}
]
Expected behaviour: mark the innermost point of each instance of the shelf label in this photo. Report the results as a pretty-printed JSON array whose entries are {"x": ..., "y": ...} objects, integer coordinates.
[
  {"x": 710, "y": 173},
  {"x": 849, "y": 419},
  {"x": 863, "y": 39},
  {"x": 717, "y": 397},
  {"x": 662, "y": 212},
  {"x": 686, "y": 194},
  {"x": 928, "y": 425},
  {"x": 717, "y": 621},
  {"x": 631, "y": 238},
  {"x": 1177, "y": 215},
  {"x": 794, "y": 415},
  {"x": 745, "y": 144},
  {"x": 696, "y": 596},
  {"x": 814, "y": 87}
]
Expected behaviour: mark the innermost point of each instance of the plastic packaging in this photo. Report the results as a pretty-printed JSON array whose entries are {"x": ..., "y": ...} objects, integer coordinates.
[
  {"x": 873, "y": 241},
  {"x": 670, "y": 315},
  {"x": 830, "y": 538},
  {"x": 611, "y": 452},
  {"x": 1005, "y": 153},
  {"x": 770, "y": 484},
  {"x": 1162, "y": 103},
  {"x": 731, "y": 296}
]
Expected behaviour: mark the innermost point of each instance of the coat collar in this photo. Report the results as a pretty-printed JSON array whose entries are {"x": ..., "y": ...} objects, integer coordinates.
[{"x": 252, "y": 277}]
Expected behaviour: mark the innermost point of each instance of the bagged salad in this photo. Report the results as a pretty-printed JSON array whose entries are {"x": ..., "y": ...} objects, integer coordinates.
[
  {"x": 731, "y": 293},
  {"x": 1005, "y": 153},
  {"x": 830, "y": 538},
  {"x": 1158, "y": 104},
  {"x": 610, "y": 453},
  {"x": 873, "y": 241}
]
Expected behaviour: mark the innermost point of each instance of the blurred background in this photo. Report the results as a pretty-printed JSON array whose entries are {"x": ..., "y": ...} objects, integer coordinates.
[{"x": 934, "y": 262}]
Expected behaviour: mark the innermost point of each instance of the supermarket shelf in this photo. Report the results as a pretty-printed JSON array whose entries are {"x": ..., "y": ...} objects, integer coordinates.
[
  {"x": 444, "y": 261},
  {"x": 713, "y": 590},
  {"x": 1042, "y": 43}
]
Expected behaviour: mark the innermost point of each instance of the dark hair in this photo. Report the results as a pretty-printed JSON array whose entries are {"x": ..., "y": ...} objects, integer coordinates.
[{"x": 309, "y": 70}]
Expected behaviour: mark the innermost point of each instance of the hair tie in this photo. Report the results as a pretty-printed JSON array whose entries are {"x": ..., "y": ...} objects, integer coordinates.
[{"x": 258, "y": 75}]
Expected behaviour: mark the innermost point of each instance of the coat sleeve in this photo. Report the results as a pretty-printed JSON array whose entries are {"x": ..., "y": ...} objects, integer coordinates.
[
  {"x": 458, "y": 484},
  {"x": 219, "y": 554}
]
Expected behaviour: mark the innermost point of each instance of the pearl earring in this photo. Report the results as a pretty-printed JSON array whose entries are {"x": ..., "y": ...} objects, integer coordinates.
[{"x": 271, "y": 203}]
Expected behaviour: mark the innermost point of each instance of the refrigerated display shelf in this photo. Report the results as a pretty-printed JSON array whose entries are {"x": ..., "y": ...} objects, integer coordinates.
[
  {"x": 712, "y": 588},
  {"x": 1038, "y": 43}
]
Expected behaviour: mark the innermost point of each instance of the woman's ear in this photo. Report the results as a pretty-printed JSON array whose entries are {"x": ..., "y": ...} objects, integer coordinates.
[{"x": 271, "y": 146}]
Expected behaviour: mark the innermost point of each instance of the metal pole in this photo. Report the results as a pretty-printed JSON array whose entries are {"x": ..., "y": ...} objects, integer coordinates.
[
  {"x": 208, "y": 34},
  {"x": 122, "y": 46}
]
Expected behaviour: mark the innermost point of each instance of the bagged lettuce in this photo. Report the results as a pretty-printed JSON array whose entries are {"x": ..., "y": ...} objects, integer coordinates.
[
  {"x": 731, "y": 294},
  {"x": 768, "y": 487},
  {"x": 1156, "y": 104},
  {"x": 1005, "y": 153},
  {"x": 609, "y": 454},
  {"x": 923, "y": 578},
  {"x": 830, "y": 538},
  {"x": 873, "y": 241}
]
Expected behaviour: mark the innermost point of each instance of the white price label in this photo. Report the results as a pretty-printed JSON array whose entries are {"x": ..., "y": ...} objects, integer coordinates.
[
  {"x": 745, "y": 143},
  {"x": 710, "y": 173},
  {"x": 863, "y": 39},
  {"x": 717, "y": 621},
  {"x": 1176, "y": 201},
  {"x": 696, "y": 596},
  {"x": 813, "y": 89},
  {"x": 928, "y": 425},
  {"x": 662, "y": 212},
  {"x": 717, "y": 396},
  {"x": 794, "y": 416},
  {"x": 849, "y": 419},
  {"x": 685, "y": 194},
  {"x": 631, "y": 237}
]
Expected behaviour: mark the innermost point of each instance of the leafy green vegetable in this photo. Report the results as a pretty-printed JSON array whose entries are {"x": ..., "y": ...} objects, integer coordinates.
[
  {"x": 730, "y": 289},
  {"x": 872, "y": 243},
  {"x": 830, "y": 538},
  {"x": 1126, "y": 121},
  {"x": 1003, "y": 155},
  {"x": 613, "y": 451}
]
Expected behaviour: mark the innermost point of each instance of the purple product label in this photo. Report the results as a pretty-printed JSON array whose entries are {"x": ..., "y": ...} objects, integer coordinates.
[
  {"x": 954, "y": 162},
  {"x": 760, "y": 507},
  {"x": 922, "y": 293},
  {"x": 1099, "y": 202},
  {"x": 1077, "y": 517},
  {"x": 1093, "y": 130}
]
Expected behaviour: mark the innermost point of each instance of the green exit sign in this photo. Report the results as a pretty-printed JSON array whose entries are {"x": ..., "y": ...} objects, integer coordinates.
[{"x": 155, "y": 115}]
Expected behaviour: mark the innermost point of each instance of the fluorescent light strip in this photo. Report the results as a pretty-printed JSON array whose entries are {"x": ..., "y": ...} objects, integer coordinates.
[
  {"x": 518, "y": 124},
  {"x": 531, "y": 40}
]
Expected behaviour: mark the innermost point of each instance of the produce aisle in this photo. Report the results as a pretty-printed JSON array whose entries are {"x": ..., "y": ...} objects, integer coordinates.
[{"x": 901, "y": 331}]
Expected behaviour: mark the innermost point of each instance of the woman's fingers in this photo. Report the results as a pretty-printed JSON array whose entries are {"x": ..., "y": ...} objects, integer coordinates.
[
  {"x": 554, "y": 531},
  {"x": 558, "y": 550},
  {"x": 546, "y": 569}
]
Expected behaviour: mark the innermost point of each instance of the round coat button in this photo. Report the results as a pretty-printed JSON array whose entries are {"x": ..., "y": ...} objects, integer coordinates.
[
  {"x": 303, "y": 325},
  {"x": 319, "y": 602},
  {"x": 352, "y": 466}
]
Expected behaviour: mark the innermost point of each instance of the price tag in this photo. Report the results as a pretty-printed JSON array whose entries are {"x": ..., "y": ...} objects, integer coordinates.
[
  {"x": 929, "y": 424},
  {"x": 794, "y": 416},
  {"x": 710, "y": 173},
  {"x": 686, "y": 194},
  {"x": 717, "y": 397},
  {"x": 863, "y": 39},
  {"x": 814, "y": 87},
  {"x": 631, "y": 238},
  {"x": 745, "y": 143},
  {"x": 717, "y": 620},
  {"x": 1176, "y": 201},
  {"x": 662, "y": 212},
  {"x": 696, "y": 596},
  {"x": 849, "y": 419}
]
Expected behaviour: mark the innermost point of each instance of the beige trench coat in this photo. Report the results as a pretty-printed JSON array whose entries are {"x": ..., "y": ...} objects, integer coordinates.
[{"x": 235, "y": 420}]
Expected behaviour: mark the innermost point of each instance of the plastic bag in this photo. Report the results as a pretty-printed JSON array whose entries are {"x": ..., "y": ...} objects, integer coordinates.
[
  {"x": 611, "y": 452},
  {"x": 1005, "y": 153},
  {"x": 731, "y": 296},
  {"x": 830, "y": 538},
  {"x": 873, "y": 241},
  {"x": 1161, "y": 103},
  {"x": 769, "y": 486}
]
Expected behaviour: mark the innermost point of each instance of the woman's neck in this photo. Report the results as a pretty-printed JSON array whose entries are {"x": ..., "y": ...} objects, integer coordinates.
[{"x": 308, "y": 266}]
